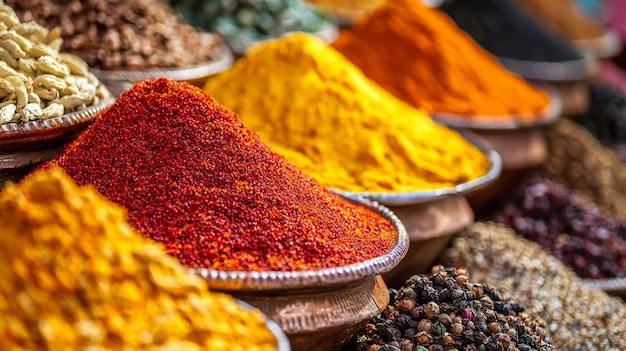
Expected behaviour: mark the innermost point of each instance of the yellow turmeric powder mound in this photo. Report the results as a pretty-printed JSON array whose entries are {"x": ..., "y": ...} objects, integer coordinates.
[
  {"x": 419, "y": 54},
  {"x": 313, "y": 106},
  {"x": 76, "y": 277}
]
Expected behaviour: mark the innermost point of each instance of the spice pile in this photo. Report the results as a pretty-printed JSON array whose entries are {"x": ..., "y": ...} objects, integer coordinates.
[
  {"x": 443, "y": 69},
  {"x": 76, "y": 276},
  {"x": 194, "y": 178},
  {"x": 244, "y": 22},
  {"x": 446, "y": 311},
  {"x": 505, "y": 31},
  {"x": 119, "y": 34},
  {"x": 581, "y": 235},
  {"x": 564, "y": 17},
  {"x": 577, "y": 317},
  {"x": 37, "y": 81},
  {"x": 580, "y": 163},
  {"x": 346, "y": 131}
]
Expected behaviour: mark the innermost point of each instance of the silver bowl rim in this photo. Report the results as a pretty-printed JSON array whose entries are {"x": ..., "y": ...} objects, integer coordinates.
[
  {"x": 415, "y": 197},
  {"x": 66, "y": 120},
  {"x": 563, "y": 71},
  {"x": 201, "y": 70},
  {"x": 281, "y": 338},
  {"x": 545, "y": 117},
  {"x": 287, "y": 280}
]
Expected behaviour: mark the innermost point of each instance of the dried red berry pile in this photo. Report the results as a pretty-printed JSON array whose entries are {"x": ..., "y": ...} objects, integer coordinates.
[{"x": 193, "y": 177}]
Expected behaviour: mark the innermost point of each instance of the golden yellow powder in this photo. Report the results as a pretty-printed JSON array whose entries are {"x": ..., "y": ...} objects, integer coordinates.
[
  {"x": 75, "y": 276},
  {"x": 312, "y": 105}
]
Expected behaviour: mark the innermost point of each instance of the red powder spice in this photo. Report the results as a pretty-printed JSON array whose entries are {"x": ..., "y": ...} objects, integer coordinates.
[{"x": 194, "y": 178}]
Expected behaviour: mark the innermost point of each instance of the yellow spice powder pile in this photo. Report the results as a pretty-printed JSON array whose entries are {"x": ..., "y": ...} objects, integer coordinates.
[
  {"x": 315, "y": 107},
  {"x": 75, "y": 276}
]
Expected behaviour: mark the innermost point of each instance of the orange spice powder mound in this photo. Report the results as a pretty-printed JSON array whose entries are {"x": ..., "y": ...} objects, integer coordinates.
[{"x": 421, "y": 56}]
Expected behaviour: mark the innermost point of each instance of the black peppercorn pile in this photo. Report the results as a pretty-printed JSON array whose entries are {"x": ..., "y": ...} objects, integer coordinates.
[
  {"x": 577, "y": 317},
  {"x": 445, "y": 311},
  {"x": 591, "y": 241},
  {"x": 606, "y": 116},
  {"x": 502, "y": 29},
  {"x": 578, "y": 161}
]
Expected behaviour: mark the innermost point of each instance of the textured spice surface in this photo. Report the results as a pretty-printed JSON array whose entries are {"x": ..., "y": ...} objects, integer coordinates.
[
  {"x": 324, "y": 115},
  {"x": 577, "y": 317},
  {"x": 75, "y": 276},
  {"x": 606, "y": 116},
  {"x": 442, "y": 69},
  {"x": 119, "y": 34},
  {"x": 584, "y": 237},
  {"x": 578, "y": 161},
  {"x": 445, "y": 310},
  {"x": 500, "y": 27},
  {"x": 194, "y": 178}
]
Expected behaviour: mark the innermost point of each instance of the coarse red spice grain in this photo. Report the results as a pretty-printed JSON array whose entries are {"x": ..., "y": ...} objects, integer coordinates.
[{"x": 194, "y": 178}]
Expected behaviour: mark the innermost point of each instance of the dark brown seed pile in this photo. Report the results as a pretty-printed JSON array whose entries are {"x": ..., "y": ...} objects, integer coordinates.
[
  {"x": 589, "y": 240},
  {"x": 578, "y": 318},
  {"x": 445, "y": 311},
  {"x": 119, "y": 34}
]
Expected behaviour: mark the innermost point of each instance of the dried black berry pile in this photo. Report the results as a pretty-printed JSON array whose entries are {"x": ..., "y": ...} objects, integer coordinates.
[
  {"x": 606, "y": 116},
  {"x": 580, "y": 234},
  {"x": 444, "y": 311},
  {"x": 505, "y": 31}
]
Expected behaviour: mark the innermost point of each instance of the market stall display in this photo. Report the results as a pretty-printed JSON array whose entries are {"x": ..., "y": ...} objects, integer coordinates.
[
  {"x": 577, "y": 316},
  {"x": 129, "y": 41},
  {"x": 75, "y": 274},
  {"x": 195, "y": 179}
]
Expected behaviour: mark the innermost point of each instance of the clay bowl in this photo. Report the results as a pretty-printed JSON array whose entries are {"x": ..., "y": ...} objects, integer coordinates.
[
  {"x": 433, "y": 218},
  {"x": 318, "y": 310},
  {"x": 25, "y": 146},
  {"x": 118, "y": 81}
]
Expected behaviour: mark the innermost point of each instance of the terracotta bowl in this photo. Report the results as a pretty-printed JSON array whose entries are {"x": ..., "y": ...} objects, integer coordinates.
[
  {"x": 118, "y": 81},
  {"x": 318, "y": 310}
]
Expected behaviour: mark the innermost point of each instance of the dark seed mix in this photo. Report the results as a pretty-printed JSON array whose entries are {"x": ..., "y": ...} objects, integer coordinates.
[
  {"x": 577, "y": 160},
  {"x": 577, "y": 317},
  {"x": 444, "y": 310},
  {"x": 606, "y": 116},
  {"x": 580, "y": 234},
  {"x": 505, "y": 31}
]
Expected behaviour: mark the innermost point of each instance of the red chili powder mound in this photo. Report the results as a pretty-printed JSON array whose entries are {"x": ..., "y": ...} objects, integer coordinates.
[{"x": 194, "y": 178}]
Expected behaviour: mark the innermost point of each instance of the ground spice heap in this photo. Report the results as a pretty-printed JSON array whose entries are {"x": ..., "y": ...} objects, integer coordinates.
[
  {"x": 346, "y": 131},
  {"x": 577, "y": 317},
  {"x": 444, "y": 310},
  {"x": 119, "y": 34},
  {"x": 441, "y": 68},
  {"x": 505, "y": 31},
  {"x": 584, "y": 237},
  {"x": 579, "y": 162},
  {"x": 75, "y": 276},
  {"x": 194, "y": 178}
]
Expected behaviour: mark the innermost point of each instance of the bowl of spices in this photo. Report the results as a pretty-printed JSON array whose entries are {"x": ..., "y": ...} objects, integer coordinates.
[
  {"x": 446, "y": 310},
  {"x": 577, "y": 316},
  {"x": 47, "y": 97},
  {"x": 115, "y": 290},
  {"x": 192, "y": 177},
  {"x": 244, "y": 23},
  {"x": 355, "y": 138},
  {"x": 129, "y": 41}
]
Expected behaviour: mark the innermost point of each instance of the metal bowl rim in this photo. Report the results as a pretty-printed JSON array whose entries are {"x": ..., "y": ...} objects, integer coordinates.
[
  {"x": 557, "y": 71},
  {"x": 415, "y": 197},
  {"x": 609, "y": 285},
  {"x": 483, "y": 122},
  {"x": 287, "y": 280},
  {"x": 281, "y": 338}
]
